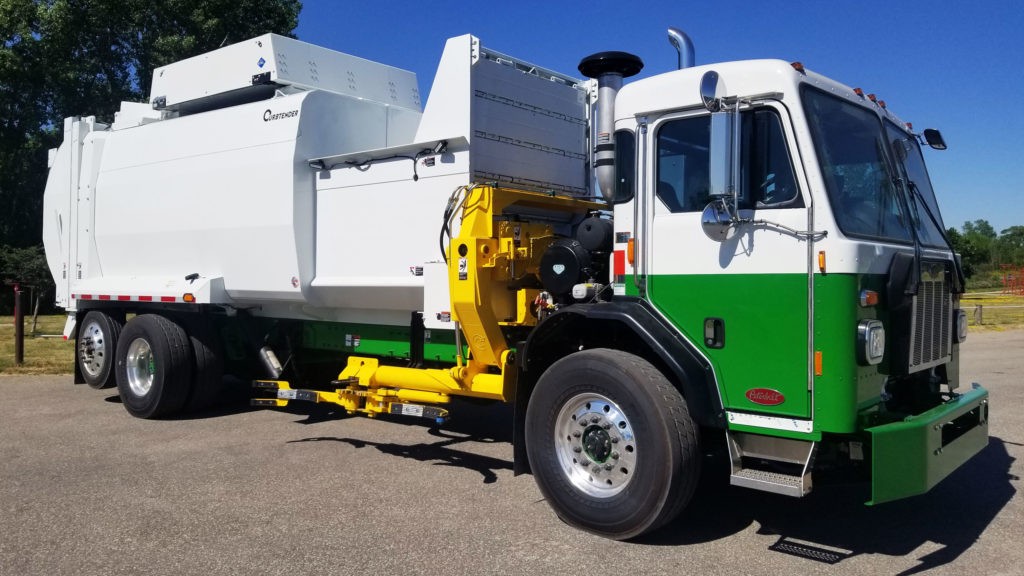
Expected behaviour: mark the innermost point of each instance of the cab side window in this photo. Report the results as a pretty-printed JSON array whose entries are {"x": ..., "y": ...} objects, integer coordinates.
[
  {"x": 766, "y": 174},
  {"x": 682, "y": 171}
]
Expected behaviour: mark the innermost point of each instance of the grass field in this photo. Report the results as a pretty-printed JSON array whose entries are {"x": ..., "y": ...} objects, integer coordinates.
[
  {"x": 993, "y": 310},
  {"x": 46, "y": 352}
]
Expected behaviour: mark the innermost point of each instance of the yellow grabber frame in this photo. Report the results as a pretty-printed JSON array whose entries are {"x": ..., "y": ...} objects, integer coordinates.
[{"x": 489, "y": 253}]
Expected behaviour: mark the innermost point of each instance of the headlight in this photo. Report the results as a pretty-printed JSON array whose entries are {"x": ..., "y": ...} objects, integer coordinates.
[
  {"x": 871, "y": 342},
  {"x": 961, "y": 325}
]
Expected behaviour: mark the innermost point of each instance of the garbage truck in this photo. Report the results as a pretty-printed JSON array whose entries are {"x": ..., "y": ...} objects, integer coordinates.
[{"x": 743, "y": 258}]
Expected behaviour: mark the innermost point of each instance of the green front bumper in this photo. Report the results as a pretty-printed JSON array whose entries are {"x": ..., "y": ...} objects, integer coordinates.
[{"x": 912, "y": 456}]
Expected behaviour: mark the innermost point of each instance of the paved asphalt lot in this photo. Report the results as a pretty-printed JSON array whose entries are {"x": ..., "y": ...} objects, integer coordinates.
[{"x": 86, "y": 489}]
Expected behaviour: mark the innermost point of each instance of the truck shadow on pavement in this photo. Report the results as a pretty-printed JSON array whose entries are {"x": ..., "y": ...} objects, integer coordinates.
[
  {"x": 439, "y": 453},
  {"x": 477, "y": 424},
  {"x": 832, "y": 523}
]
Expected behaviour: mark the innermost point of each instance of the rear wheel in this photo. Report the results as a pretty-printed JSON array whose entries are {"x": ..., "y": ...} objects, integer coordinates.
[
  {"x": 207, "y": 363},
  {"x": 154, "y": 366},
  {"x": 96, "y": 346},
  {"x": 611, "y": 443}
]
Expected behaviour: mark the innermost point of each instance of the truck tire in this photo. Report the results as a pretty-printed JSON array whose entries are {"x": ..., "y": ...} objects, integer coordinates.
[
  {"x": 207, "y": 364},
  {"x": 611, "y": 443},
  {"x": 154, "y": 366},
  {"x": 96, "y": 348}
]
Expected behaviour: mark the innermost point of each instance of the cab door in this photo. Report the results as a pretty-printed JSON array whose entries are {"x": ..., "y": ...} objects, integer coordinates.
[{"x": 743, "y": 300}]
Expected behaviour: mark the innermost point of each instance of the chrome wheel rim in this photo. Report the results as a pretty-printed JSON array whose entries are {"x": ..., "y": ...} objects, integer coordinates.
[
  {"x": 141, "y": 365},
  {"x": 595, "y": 445},
  {"x": 92, "y": 349}
]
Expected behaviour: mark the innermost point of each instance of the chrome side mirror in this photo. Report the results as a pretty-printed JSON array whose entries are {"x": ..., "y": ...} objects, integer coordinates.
[
  {"x": 717, "y": 219},
  {"x": 711, "y": 89},
  {"x": 724, "y": 164}
]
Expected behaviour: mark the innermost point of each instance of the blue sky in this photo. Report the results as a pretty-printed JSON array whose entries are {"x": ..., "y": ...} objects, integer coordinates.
[{"x": 955, "y": 66}]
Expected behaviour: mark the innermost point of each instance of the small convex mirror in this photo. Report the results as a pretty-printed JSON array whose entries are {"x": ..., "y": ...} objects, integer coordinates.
[
  {"x": 934, "y": 139},
  {"x": 716, "y": 220}
]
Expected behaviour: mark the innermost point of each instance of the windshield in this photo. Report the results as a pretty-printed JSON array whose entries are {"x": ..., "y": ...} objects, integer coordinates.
[
  {"x": 852, "y": 154},
  {"x": 908, "y": 153}
]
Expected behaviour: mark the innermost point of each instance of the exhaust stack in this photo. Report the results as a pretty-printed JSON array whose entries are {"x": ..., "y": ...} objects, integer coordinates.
[
  {"x": 683, "y": 45},
  {"x": 609, "y": 68}
]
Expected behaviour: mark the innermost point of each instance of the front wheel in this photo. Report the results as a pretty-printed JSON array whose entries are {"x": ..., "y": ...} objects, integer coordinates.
[
  {"x": 154, "y": 366},
  {"x": 611, "y": 443}
]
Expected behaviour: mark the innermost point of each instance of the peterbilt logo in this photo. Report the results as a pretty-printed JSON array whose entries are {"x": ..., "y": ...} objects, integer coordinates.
[
  {"x": 269, "y": 116},
  {"x": 765, "y": 396}
]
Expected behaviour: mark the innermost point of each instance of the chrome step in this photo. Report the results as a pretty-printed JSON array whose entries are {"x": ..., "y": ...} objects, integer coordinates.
[
  {"x": 774, "y": 482},
  {"x": 750, "y": 454}
]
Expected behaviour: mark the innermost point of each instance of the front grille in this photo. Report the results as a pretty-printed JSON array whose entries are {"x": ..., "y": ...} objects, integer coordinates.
[{"x": 931, "y": 326}]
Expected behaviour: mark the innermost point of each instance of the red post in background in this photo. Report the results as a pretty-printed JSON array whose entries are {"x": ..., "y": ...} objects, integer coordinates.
[{"x": 19, "y": 327}]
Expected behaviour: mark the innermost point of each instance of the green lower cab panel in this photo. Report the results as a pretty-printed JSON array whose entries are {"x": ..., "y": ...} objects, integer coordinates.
[{"x": 911, "y": 456}]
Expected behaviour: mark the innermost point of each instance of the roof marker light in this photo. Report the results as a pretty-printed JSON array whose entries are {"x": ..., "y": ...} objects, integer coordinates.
[
  {"x": 910, "y": 126},
  {"x": 858, "y": 92},
  {"x": 872, "y": 97},
  {"x": 882, "y": 103},
  {"x": 798, "y": 66}
]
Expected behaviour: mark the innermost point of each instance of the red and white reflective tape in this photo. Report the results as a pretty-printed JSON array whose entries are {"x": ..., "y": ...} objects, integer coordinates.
[{"x": 130, "y": 298}]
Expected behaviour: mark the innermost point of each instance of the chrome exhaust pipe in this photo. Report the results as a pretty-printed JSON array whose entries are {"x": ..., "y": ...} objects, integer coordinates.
[{"x": 609, "y": 68}]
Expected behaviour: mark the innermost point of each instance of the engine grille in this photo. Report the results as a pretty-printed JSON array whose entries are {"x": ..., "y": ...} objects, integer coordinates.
[{"x": 931, "y": 327}]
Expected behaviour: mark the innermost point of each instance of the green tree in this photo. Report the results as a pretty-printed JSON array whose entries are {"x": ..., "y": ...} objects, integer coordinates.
[
  {"x": 1009, "y": 247},
  {"x": 981, "y": 236}
]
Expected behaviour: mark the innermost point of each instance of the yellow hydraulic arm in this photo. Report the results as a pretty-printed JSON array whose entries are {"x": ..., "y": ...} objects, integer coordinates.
[{"x": 495, "y": 247}]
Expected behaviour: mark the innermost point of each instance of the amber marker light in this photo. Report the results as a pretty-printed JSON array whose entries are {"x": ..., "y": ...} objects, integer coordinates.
[
  {"x": 868, "y": 298},
  {"x": 858, "y": 92},
  {"x": 798, "y": 66},
  {"x": 817, "y": 363},
  {"x": 821, "y": 261},
  {"x": 189, "y": 297},
  {"x": 631, "y": 251}
]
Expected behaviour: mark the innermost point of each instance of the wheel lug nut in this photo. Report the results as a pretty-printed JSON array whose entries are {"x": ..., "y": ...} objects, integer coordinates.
[
  {"x": 615, "y": 455},
  {"x": 596, "y": 468},
  {"x": 577, "y": 449},
  {"x": 576, "y": 434},
  {"x": 594, "y": 419},
  {"x": 584, "y": 462},
  {"x": 615, "y": 440},
  {"x": 607, "y": 426},
  {"x": 607, "y": 466}
]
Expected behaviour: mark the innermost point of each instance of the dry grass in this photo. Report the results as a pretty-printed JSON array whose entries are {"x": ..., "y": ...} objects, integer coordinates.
[
  {"x": 993, "y": 310},
  {"x": 46, "y": 352}
]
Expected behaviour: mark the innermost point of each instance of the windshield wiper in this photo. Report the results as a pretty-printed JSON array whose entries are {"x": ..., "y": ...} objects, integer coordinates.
[{"x": 958, "y": 286}]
